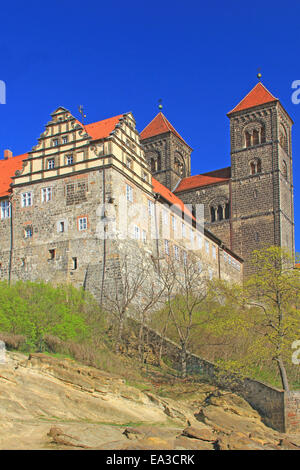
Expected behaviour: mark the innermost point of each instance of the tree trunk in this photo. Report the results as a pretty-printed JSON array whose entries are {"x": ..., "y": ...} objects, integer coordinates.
[
  {"x": 141, "y": 343},
  {"x": 283, "y": 374},
  {"x": 183, "y": 361},
  {"x": 119, "y": 336}
]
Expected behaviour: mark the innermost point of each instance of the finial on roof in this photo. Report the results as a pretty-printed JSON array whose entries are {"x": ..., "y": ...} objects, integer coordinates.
[
  {"x": 80, "y": 109},
  {"x": 160, "y": 106},
  {"x": 259, "y": 75}
]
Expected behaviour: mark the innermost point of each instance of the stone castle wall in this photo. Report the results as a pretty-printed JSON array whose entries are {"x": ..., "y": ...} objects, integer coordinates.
[{"x": 278, "y": 409}]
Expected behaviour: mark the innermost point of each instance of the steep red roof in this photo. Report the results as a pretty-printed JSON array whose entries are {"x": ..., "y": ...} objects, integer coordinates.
[
  {"x": 159, "y": 125},
  {"x": 7, "y": 170},
  {"x": 205, "y": 179},
  {"x": 102, "y": 129},
  {"x": 170, "y": 197},
  {"x": 258, "y": 95}
]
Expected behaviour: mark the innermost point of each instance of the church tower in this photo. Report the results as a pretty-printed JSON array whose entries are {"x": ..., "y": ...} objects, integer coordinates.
[
  {"x": 261, "y": 183},
  {"x": 168, "y": 155}
]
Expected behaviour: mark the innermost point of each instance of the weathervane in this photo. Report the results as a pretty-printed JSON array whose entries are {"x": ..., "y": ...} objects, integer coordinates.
[
  {"x": 80, "y": 109},
  {"x": 160, "y": 106},
  {"x": 259, "y": 75}
]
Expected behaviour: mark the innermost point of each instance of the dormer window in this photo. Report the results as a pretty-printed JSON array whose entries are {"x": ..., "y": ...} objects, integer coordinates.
[
  {"x": 26, "y": 199},
  {"x": 69, "y": 159},
  {"x": 50, "y": 163}
]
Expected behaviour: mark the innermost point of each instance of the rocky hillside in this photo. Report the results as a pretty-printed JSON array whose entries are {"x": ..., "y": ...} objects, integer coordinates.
[{"x": 50, "y": 403}]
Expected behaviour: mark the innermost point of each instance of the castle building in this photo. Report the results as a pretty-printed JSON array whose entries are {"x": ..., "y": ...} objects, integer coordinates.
[
  {"x": 249, "y": 204},
  {"x": 81, "y": 197}
]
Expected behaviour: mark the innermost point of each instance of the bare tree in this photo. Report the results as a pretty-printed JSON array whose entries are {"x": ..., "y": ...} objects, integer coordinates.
[
  {"x": 186, "y": 289},
  {"x": 152, "y": 294},
  {"x": 130, "y": 273}
]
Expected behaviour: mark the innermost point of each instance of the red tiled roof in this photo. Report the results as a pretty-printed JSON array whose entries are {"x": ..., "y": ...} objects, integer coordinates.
[
  {"x": 170, "y": 197},
  {"x": 297, "y": 265},
  {"x": 7, "y": 170},
  {"x": 102, "y": 129},
  {"x": 258, "y": 95},
  {"x": 205, "y": 179},
  {"x": 159, "y": 125}
]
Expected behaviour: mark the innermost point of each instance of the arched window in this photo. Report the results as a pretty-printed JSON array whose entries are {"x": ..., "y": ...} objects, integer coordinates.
[
  {"x": 258, "y": 166},
  {"x": 212, "y": 214},
  {"x": 255, "y": 167},
  {"x": 158, "y": 163},
  {"x": 255, "y": 137},
  {"x": 284, "y": 169},
  {"x": 283, "y": 138},
  {"x": 227, "y": 211},
  {"x": 248, "y": 139},
  {"x": 153, "y": 165},
  {"x": 220, "y": 213}
]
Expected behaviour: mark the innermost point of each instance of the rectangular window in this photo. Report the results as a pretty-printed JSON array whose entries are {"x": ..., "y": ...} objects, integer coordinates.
[
  {"x": 129, "y": 193},
  {"x": 200, "y": 242},
  {"x": 176, "y": 252},
  {"x": 136, "y": 232},
  {"x": 207, "y": 247},
  {"x": 69, "y": 159},
  {"x": 183, "y": 230},
  {"x": 55, "y": 142},
  {"x": 61, "y": 227},
  {"x": 167, "y": 251},
  {"x": 65, "y": 139},
  {"x": 144, "y": 236},
  {"x": 191, "y": 236},
  {"x": 26, "y": 199},
  {"x": 214, "y": 252},
  {"x": 5, "y": 209},
  {"x": 173, "y": 223},
  {"x": 46, "y": 194},
  {"x": 74, "y": 263},
  {"x": 150, "y": 208},
  {"x": 129, "y": 163},
  {"x": 82, "y": 223},
  {"x": 50, "y": 163},
  {"x": 51, "y": 255},
  {"x": 210, "y": 274},
  {"x": 184, "y": 257},
  {"x": 28, "y": 232},
  {"x": 165, "y": 216}
]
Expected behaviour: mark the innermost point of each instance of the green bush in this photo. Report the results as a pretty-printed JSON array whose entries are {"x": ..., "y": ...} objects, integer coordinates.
[{"x": 35, "y": 310}]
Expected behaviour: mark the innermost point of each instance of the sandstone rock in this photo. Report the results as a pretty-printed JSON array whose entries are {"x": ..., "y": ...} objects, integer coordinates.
[
  {"x": 203, "y": 432},
  {"x": 51, "y": 403},
  {"x": 187, "y": 443}
]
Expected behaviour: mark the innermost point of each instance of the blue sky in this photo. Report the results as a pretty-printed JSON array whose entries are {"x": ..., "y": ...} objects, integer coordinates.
[{"x": 201, "y": 58}]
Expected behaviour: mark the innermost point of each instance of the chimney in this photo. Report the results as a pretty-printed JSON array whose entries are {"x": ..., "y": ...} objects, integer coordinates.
[{"x": 7, "y": 154}]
